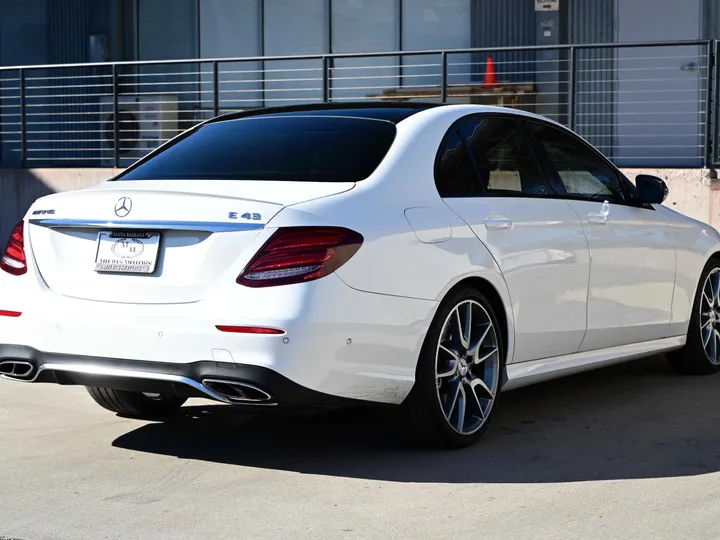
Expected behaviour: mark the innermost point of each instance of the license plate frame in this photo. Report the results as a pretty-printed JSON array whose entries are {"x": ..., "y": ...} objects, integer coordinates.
[{"x": 127, "y": 252}]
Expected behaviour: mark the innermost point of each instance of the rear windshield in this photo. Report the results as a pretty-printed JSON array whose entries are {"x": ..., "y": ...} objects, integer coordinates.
[{"x": 302, "y": 148}]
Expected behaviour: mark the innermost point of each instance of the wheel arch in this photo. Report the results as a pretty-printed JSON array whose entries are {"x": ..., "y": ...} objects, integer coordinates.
[
  {"x": 500, "y": 309},
  {"x": 713, "y": 256}
]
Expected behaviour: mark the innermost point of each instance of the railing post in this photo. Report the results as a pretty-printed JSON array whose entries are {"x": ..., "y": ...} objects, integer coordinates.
[
  {"x": 325, "y": 79},
  {"x": 716, "y": 100},
  {"x": 572, "y": 88},
  {"x": 216, "y": 89},
  {"x": 116, "y": 117},
  {"x": 710, "y": 106},
  {"x": 443, "y": 76},
  {"x": 23, "y": 122}
]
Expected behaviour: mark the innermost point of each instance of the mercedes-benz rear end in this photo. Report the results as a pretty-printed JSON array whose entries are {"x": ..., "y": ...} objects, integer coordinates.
[{"x": 171, "y": 281}]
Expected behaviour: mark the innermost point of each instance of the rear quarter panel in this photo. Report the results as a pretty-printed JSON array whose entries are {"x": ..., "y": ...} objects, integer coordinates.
[{"x": 423, "y": 260}]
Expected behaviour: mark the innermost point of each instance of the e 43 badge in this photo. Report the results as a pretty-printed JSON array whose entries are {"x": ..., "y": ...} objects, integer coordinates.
[{"x": 246, "y": 215}]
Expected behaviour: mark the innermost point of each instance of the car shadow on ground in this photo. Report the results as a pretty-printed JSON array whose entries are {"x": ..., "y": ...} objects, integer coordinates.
[{"x": 636, "y": 420}]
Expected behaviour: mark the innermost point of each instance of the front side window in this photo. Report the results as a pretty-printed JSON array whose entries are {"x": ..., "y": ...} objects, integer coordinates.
[
  {"x": 582, "y": 172},
  {"x": 300, "y": 148}
]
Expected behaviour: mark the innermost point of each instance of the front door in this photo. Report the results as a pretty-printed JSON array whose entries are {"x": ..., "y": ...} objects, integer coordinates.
[
  {"x": 488, "y": 175},
  {"x": 632, "y": 268}
]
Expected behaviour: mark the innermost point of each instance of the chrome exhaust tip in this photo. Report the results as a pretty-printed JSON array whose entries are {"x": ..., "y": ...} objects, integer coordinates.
[
  {"x": 16, "y": 369},
  {"x": 237, "y": 392}
]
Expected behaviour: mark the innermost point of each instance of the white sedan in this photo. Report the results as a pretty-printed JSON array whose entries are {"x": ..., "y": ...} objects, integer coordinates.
[{"x": 395, "y": 254}]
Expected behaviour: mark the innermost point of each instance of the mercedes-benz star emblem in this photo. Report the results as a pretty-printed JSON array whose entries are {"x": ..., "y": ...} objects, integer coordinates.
[{"x": 123, "y": 207}]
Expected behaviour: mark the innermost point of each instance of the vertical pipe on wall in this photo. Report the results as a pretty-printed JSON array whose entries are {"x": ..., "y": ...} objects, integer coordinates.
[{"x": 329, "y": 26}]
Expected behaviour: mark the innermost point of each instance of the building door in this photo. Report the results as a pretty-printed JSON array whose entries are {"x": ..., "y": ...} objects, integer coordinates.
[{"x": 658, "y": 94}]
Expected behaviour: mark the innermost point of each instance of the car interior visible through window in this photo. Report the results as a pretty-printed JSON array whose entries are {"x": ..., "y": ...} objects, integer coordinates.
[
  {"x": 581, "y": 172},
  {"x": 488, "y": 156}
]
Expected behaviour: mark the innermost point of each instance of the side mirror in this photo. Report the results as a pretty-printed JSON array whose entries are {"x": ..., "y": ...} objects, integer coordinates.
[{"x": 651, "y": 189}]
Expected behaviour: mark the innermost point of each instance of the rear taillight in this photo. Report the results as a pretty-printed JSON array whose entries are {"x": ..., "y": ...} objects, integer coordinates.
[
  {"x": 299, "y": 254},
  {"x": 13, "y": 260}
]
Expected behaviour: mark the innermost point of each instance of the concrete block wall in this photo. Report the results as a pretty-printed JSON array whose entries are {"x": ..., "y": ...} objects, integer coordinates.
[
  {"x": 19, "y": 188},
  {"x": 692, "y": 191}
]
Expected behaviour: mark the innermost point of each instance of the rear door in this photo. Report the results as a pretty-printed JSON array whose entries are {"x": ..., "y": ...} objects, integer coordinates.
[
  {"x": 488, "y": 175},
  {"x": 632, "y": 269}
]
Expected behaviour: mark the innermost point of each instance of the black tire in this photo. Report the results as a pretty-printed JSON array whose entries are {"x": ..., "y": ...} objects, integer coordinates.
[
  {"x": 422, "y": 409},
  {"x": 692, "y": 359},
  {"x": 135, "y": 404}
]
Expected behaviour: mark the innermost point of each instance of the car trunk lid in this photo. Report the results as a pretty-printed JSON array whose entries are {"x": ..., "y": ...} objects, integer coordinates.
[{"x": 162, "y": 241}]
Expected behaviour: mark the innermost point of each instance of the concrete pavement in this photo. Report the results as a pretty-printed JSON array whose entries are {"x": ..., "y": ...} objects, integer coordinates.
[{"x": 627, "y": 452}]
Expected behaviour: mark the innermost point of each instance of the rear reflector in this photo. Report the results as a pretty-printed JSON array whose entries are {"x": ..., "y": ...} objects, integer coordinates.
[
  {"x": 249, "y": 330},
  {"x": 299, "y": 254},
  {"x": 5, "y": 313},
  {"x": 13, "y": 260}
]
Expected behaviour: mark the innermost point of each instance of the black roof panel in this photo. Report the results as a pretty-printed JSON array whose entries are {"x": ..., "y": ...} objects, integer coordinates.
[{"x": 389, "y": 111}]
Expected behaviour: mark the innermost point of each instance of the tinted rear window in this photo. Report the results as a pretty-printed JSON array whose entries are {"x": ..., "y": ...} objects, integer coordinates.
[{"x": 300, "y": 148}]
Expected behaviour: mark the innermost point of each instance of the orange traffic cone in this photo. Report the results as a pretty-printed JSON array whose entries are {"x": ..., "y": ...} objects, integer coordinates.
[{"x": 490, "y": 80}]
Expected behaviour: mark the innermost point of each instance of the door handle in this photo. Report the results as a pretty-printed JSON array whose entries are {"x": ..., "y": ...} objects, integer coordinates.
[
  {"x": 497, "y": 223},
  {"x": 601, "y": 217}
]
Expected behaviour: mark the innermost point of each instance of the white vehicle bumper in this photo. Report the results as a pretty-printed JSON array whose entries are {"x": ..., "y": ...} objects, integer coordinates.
[{"x": 338, "y": 342}]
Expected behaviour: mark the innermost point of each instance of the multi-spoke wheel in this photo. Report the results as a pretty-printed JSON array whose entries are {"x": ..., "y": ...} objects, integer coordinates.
[
  {"x": 710, "y": 316},
  {"x": 701, "y": 354},
  {"x": 458, "y": 372},
  {"x": 467, "y": 365}
]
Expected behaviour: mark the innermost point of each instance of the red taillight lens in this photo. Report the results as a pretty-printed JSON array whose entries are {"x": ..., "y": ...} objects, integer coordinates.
[
  {"x": 250, "y": 330},
  {"x": 13, "y": 260},
  {"x": 299, "y": 254},
  {"x": 6, "y": 313}
]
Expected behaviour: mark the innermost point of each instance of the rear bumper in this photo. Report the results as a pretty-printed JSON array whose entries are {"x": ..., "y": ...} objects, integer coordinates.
[
  {"x": 337, "y": 341},
  {"x": 184, "y": 380}
]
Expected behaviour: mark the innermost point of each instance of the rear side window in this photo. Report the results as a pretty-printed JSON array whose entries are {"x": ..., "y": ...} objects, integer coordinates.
[
  {"x": 300, "y": 148},
  {"x": 455, "y": 175},
  {"x": 488, "y": 156}
]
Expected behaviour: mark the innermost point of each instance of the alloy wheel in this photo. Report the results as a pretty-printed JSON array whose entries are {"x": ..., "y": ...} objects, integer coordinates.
[
  {"x": 710, "y": 316},
  {"x": 467, "y": 367}
]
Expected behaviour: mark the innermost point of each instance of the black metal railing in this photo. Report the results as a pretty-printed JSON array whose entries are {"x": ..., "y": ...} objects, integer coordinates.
[{"x": 642, "y": 104}]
